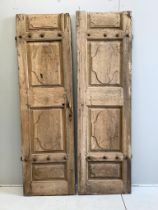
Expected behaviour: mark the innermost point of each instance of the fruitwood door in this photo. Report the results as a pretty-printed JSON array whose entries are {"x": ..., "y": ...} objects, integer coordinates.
[
  {"x": 45, "y": 80},
  {"x": 104, "y": 102}
]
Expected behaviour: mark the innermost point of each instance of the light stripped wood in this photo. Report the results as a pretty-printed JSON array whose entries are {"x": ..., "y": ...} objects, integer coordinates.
[
  {"x": 39, "y": 35},
  {"x": 48, "y": 171},
  {"x": 108, "y": 156},
  {"x": 45, "y": 65},
  {"x": 50, "y": 136},
  {"x": 103, "y": 123},
  {"x": 46, "y": 97},
  {"x": 103, "y": 72},
  {"x": 57, "y": 187},
  {"x": 104, "y": 20},
  {"x": 46, "y": 103},
  {"x": 23, "y": 83},
  {"x": 48, "y": 157},
  {"x": 104, "y": 95},
  {"x": 109, "y": 186},
  {"x": 47, "y": 21},
  {"x": 104, "y": 170},
  {"x": 126, "y": 83},
  {"x": 105, "y": 34}
]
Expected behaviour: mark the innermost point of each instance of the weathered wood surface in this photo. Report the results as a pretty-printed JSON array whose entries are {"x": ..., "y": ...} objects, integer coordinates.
[
  {"x": 104, "y": 102},
  {"x": 45, "y": 79}
]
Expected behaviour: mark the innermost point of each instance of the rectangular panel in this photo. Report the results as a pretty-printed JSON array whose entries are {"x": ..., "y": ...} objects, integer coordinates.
[
  {"x": 46, "y": 97},
  {"x": 104, "y": 186},
  {"x": 104, "y": 62},
  {"x": 57, "y": 187},
  {"x": 48, "y": 171},
  {"x": 104, "y": 96},
  {"x": 103, "y": 20},
  {"x": 104, "y": 102},
  {"x": 48, "y": 130},
  {"x": 45, "y": 63},
  {"x": 43, "y": 49},
  {"x": 105, "y": 132},
  {"x": 43, "y": 22},
  {"x": 102, "y": 170}
]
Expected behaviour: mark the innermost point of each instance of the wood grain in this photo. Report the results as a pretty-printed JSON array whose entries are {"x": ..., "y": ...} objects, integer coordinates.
[
  {"x": 104, "y": 20},
  {"x": 45, "y": 63},
  {"x": 105, "y": 129},
  {"x": 48, "y": 136},
  {"x": 104, "y": 170},
  {"x": 48, "y": 171},
  {"x": 43, "y": 48},
  {"x": 104, "y": 64},
  {"x": 47, "y": 21},
  {"x": 104, "y": 97},
  {"x": 46, "y": 97}
]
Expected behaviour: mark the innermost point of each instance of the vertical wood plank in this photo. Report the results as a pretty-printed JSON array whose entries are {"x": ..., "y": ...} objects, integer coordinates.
[
  {"x": 24, "y": 86},
  {"x": 82, "y": 110},
  {"x": 67, "y": 57},
  {"x": 127, "y": 68}
]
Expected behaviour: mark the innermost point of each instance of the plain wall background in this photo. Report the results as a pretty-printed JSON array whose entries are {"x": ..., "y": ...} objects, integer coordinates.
[{"x": 144, "y": 76}]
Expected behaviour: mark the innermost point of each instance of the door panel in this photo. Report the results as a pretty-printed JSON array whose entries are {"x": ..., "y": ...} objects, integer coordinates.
[
  {"x": 48, "y": 130},
  {"x": 104, "y": 170},
  {"x": 104, "y": 97},
  {"x": 103, "y": 20},
  {"x": 45, "y": 63},
  {"x": 44, "y": 22},
  {"x": 45, "y": 77},
  {"x": 102, "y": 72},
  {"x": 105, "y": 132},
  {"x": 48, "y": 171}
]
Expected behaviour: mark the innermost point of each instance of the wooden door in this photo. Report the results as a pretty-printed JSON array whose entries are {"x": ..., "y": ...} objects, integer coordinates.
[
  {"x": 104, "y": 101},
  {"x": 44, "y": 62}
]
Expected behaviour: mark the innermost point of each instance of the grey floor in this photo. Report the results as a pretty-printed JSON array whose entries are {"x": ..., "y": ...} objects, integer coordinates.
[{"x": 142, "y": 198}]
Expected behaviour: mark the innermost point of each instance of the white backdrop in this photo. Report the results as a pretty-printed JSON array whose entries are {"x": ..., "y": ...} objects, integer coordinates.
[{"x": 145, "y": 81}]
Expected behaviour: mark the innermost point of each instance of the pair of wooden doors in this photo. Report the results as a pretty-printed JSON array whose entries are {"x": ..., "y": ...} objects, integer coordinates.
[{"x": 104, "y": 94}]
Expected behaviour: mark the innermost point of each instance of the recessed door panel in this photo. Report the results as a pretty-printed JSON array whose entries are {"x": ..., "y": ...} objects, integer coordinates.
[
  {"x": 48, "y": 171},
  {"x": 48, "y": 130},
  {"x": 45, "y": 64},
  {"x": 102, "y": 170},
  {"x": 105, "y": 131},
  {"x": 104, "y": 62}
]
